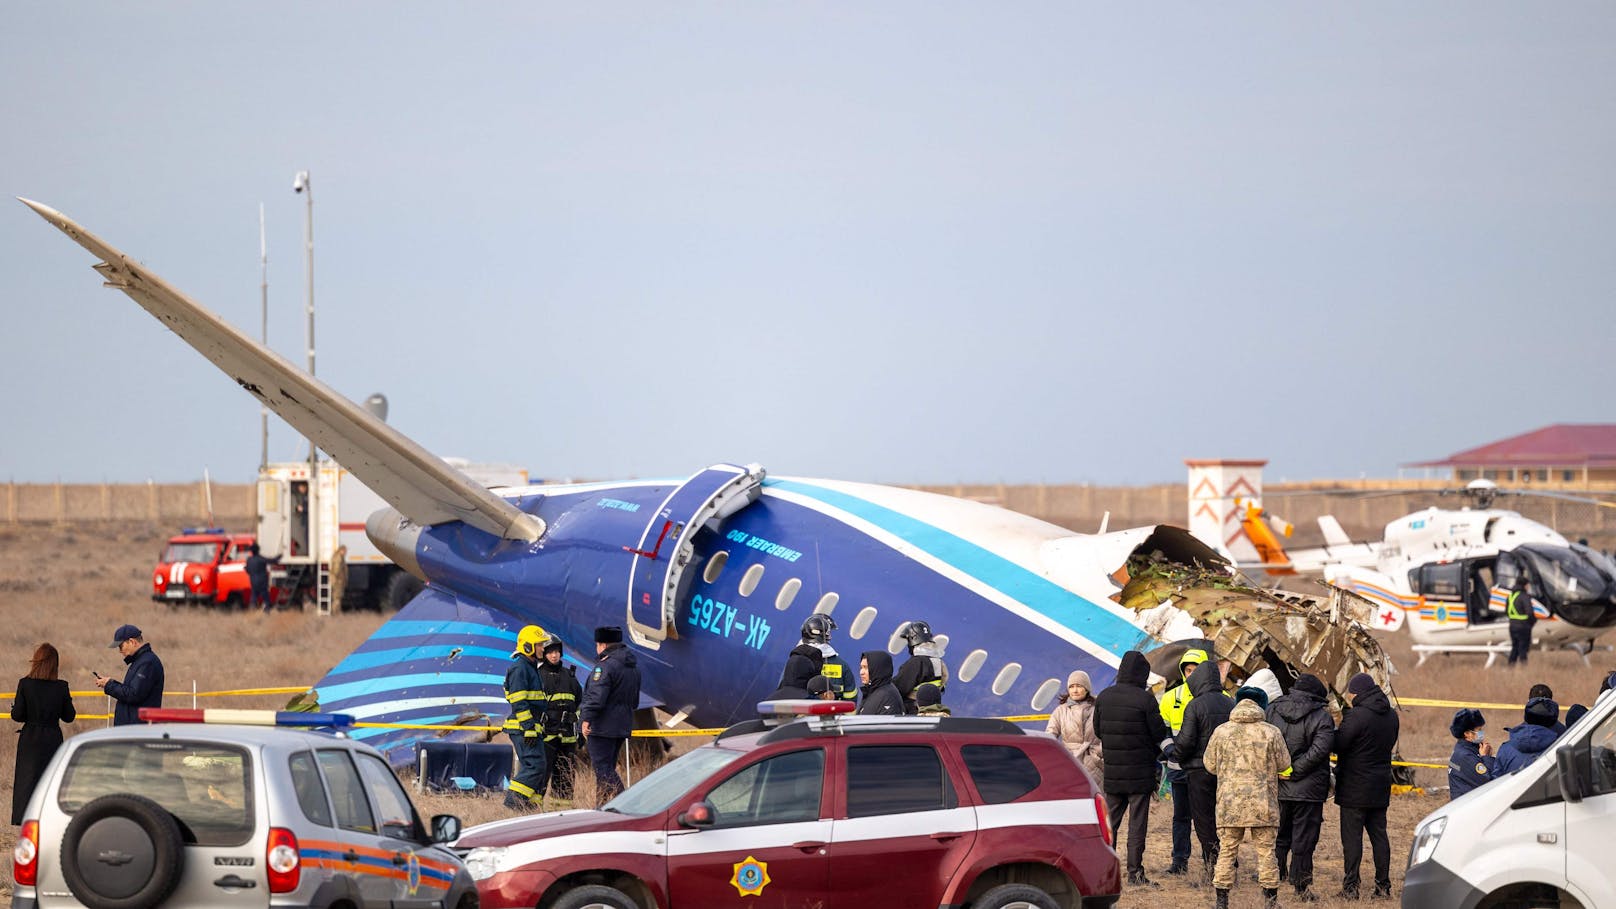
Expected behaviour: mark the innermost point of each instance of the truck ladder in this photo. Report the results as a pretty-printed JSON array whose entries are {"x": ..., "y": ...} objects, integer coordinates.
[{"x": 322, "y": 589}]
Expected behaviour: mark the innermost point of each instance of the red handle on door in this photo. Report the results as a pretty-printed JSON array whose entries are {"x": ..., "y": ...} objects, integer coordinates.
[
  {"x": 947, "y": 835},
  {"x": 808, "y": 845}
]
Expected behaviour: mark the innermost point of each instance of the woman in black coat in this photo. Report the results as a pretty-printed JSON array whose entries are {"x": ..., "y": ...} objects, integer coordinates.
[{"x": 42, "y": 703}]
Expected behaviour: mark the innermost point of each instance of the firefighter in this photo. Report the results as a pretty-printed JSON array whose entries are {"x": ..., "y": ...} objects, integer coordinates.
[
  {"x": 524, "y": 690},
  {"x": 806, "y": 660},
  {"x": 925, "y": 666},
  {"x": 559, "y": 723},
  {"x": 1172, "y": 707},
  {"x": 1521, "y": 620}
]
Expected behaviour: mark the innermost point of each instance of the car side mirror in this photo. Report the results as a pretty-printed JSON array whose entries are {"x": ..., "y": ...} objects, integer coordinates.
[
  {"x": 1565, "y": 762},
  {"x": 445, "y": 828},
  {"x": 697, "y": 816}
]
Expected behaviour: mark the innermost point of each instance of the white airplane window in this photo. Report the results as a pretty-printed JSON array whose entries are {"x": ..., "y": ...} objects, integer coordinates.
[
  {"x": 1046, "y": 693},
  {"x": 862, "y": 623},
  {"x": 972, "y": 665},
  {"x": 749, "y": 581},
  {"x": 827, "y": 604},
  {"x": 788, "y": 592},
  {"x": 1006, "y": 677},
  {"x": 715, "y": 566},
  {"x": 895, "y": 643},
  {"x": 941, "y": 641}
]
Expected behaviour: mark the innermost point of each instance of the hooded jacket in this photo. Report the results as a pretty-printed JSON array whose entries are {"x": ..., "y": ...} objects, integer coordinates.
[
  {"x": 1073, "y": 723},
  {"x": 1526, "y": 742},
  {"x": 1304, "y": 722},
  {"x": 1247, "y": 756},
  {"x": 1363, "y": 747},
  {"x": 612, "y": 694},
  {"x": 1207, "y": 711},
  {"x": 1177, "y": 698},
  {"x": 804, "y": 663},
  {"x": 879, "y": 697},
  {"x": 1130, "y": 727}
]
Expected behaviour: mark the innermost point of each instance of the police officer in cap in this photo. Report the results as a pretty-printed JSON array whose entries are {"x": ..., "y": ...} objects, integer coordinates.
[
  {"x": 607, "y": 710},
  {"x": 1472, "y": 763},
  {"x": 524, "y": 690},
  {"x": 925, "y": 666}
]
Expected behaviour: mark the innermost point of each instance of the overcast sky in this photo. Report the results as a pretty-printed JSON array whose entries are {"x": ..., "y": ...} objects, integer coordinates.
[{"x": 909, "y": 242}]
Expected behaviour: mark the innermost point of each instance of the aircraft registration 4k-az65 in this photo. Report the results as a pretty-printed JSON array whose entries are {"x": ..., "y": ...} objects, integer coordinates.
[
  {"x": 712, "y": 575},
  {"x": 1446, "y": 574}
]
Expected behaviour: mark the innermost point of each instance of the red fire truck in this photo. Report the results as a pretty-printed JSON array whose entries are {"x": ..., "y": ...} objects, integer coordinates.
[{"x": 204, "y": 566}]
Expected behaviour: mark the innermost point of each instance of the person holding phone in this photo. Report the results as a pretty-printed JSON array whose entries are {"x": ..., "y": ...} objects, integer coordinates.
[
  {"x": 142, "y": 684},
  {"x": 42, "y": 704}
]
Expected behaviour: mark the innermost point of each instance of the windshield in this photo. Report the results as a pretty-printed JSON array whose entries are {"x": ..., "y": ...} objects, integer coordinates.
[
  {"x": 1575, "y": 581},
  {"x": 189, "y": 552},
  {"x": 673, "y": 779}
]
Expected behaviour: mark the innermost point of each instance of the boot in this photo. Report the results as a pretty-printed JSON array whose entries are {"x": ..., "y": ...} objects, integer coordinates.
[
  {"x": 1178, "y": 867},
  {"x": 1305, "y": 894},
  {"x": 1223, "y": 899},
  {"x": 1270, "y": 897},
  {"x": 515, "y": 802}
]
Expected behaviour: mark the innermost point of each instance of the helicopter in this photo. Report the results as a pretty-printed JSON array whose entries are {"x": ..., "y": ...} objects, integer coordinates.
[{"x": 1446, "y": 573}]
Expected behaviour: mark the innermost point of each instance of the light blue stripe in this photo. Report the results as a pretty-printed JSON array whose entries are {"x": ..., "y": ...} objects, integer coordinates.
[
  {"x": 371, "y": 659},
  {"x": 404, "y": 628},
  {"x": 1051, "y": 600},
  {"x": 427, "y": 684}
]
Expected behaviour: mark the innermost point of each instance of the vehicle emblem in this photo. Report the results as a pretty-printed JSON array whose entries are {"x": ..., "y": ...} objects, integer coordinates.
[
  {"x": 115, "y": 858},
  {"x": 414, "y": 873},
  {"x": 751, "y": 876}
]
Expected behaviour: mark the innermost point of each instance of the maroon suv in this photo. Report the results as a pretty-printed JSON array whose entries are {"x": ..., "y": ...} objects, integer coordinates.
[{"x": 827, "y": 812}]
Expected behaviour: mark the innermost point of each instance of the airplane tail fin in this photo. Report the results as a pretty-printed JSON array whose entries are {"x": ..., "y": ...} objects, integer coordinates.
[
  {"x": 1333, "y": 534},
  {"x": 419, "y": 484}
]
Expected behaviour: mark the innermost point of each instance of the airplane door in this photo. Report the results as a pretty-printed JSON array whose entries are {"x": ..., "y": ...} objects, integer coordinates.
[{"x": 657, "y": 579}]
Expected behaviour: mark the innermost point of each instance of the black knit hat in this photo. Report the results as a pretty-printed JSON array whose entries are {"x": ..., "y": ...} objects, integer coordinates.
[
  {"x": 1309, "y": 684},
  {"x": 1542, "y": 712},
  {"x": 609, "y": 634},
  {"x": 1464, "y": 720},
  {"x": 1360, "y": 684}
]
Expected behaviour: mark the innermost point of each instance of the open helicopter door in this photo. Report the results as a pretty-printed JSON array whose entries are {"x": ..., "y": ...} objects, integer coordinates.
[{"x": 657, "y": 575}]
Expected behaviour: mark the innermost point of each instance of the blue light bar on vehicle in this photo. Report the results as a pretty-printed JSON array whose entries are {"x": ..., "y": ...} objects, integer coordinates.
[{"x": 245, "y": 717}]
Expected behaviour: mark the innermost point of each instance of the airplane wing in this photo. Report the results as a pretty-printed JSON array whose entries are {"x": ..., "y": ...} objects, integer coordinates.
[{"x": 410, "y": 478}]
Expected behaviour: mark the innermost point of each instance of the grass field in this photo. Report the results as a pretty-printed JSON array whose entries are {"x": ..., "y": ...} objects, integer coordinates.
[{"x": 72, "y": 585}]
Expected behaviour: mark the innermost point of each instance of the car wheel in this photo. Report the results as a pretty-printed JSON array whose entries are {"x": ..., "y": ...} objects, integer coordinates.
[
  {"x": 1014, "y": 896},
  {"x": 399, "y": 590},
  {"x": 122, "y": 852},
  {"x": 595, "y": 897}
]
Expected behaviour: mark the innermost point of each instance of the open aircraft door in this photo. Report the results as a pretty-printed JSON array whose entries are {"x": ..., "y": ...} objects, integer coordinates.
[{"x": 657, "y": 576}]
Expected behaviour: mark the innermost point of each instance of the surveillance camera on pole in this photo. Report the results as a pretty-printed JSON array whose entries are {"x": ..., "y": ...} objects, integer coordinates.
[{"x": 300, "y": 181}]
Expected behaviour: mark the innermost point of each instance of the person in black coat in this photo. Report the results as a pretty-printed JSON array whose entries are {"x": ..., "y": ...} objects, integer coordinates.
[
  {"x": 142, "y": 684},
  {"x": 1363, "y": 782},
  {"x": 257, "y": 568},
  {"x": 1209, "y": 709},
  {"x": 879, "y": 696},
  {"x": 1304, "y": 721},
  {"x": 607, "y": 710},
  {"x": 42, "y": 703},
  {"x": 806, "y": 660},
  {"x": 1132, "y": 734},
  {"x": 559, "y": 725}
]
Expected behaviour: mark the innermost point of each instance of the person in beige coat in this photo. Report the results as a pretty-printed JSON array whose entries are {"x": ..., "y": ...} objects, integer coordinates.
[
  {"x": 1247, "y": 755},
  {"x": 1073, "y": 723}
]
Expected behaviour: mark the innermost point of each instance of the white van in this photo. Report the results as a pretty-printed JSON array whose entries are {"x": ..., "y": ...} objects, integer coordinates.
[{"x": 1540, "y": 837}]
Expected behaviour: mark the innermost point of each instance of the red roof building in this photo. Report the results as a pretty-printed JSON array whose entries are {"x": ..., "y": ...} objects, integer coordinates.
[{"x": 1562, "y": 453}]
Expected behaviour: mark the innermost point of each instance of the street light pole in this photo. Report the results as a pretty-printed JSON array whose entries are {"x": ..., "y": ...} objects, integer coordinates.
[
  {"x": 263, "y": 333},
  {"x": 302, "y": 184}
]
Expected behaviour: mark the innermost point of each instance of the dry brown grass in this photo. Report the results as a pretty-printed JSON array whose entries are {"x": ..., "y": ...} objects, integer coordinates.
[{"x": 71, "y": 585}]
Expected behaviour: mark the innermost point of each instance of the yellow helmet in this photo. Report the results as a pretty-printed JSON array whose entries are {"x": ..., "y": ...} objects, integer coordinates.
[{"x": 530, "y": 641}]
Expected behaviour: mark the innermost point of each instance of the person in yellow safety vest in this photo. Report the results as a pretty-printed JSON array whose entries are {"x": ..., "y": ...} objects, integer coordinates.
[
  {"x": 524, "y": 690},
  {"x": 1172, "y": 707},
  {"x": 1521, "y": 620}
]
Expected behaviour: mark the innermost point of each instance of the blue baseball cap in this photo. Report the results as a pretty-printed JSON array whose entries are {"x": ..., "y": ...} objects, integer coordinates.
[{"x": 124, "y": 633}]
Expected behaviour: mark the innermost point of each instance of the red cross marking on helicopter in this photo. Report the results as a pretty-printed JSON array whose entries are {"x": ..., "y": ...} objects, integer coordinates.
[{"x": 1388, "y": 617}]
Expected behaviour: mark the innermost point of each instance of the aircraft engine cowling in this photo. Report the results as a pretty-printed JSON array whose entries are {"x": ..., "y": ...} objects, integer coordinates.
[{"x": 396, "y": 537}]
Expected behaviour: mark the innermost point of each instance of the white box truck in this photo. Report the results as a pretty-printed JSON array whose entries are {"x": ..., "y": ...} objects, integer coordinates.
[{"x": 340, "y": 567}]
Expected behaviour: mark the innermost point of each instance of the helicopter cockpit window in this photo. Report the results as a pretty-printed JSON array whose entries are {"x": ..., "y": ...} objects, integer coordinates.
[{"x": 1578, "y": 583}]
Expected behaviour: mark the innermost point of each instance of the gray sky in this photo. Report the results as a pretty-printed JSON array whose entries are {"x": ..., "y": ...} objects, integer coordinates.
[{"x": 895, "y": 242}]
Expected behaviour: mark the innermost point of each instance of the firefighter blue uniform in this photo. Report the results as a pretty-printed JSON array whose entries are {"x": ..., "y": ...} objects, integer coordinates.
[
  {"x": 559, "y": 722},
  {"x": 524, "y": 690},
  {"x": 610, "y": 697}
]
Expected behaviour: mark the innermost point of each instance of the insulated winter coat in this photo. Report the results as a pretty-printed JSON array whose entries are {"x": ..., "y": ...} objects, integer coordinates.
[
  {"x": 1469, "y": 769},
  {"x": 1130, "y": 727},
  {"x": 880, "y": 696},
  {"x": 804, "y": 662},
  {"x": 1247, "y": 756},
  {"x": 1073, "y": 723},
  {"x": 1208, "y": 710},
  {"x": 558, "y": 724},
  {"x": 1526, "y": 742},
  {"x": 924, "y": 667},
  {"x": 524, "y": 691},
  {"x": 1364, "y": 746},
  {"x": 612, "y": 693},
  {"x": 142, "y": 686},
  {"x": 1303, "y": 720}
]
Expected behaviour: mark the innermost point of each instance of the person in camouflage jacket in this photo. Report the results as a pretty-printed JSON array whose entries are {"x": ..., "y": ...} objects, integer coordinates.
[{"x": 1247, "y": 755}]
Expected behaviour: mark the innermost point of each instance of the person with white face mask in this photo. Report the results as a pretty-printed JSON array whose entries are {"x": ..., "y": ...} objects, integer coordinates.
[{"x": 1472, "y": 763}]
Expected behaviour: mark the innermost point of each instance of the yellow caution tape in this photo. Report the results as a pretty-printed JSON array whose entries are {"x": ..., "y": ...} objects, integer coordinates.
[{"x": 1427, "y": 702}]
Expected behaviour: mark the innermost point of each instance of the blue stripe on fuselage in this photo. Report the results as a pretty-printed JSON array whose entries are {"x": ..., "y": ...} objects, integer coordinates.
[{"x": 1094, "y": 622}]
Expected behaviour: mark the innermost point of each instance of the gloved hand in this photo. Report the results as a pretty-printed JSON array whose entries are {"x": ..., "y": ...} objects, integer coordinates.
[{"x": 1170, "y": 755}]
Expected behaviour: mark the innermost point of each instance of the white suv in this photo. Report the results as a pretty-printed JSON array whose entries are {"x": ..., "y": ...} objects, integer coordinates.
[{"x": 229, "y": 816}]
